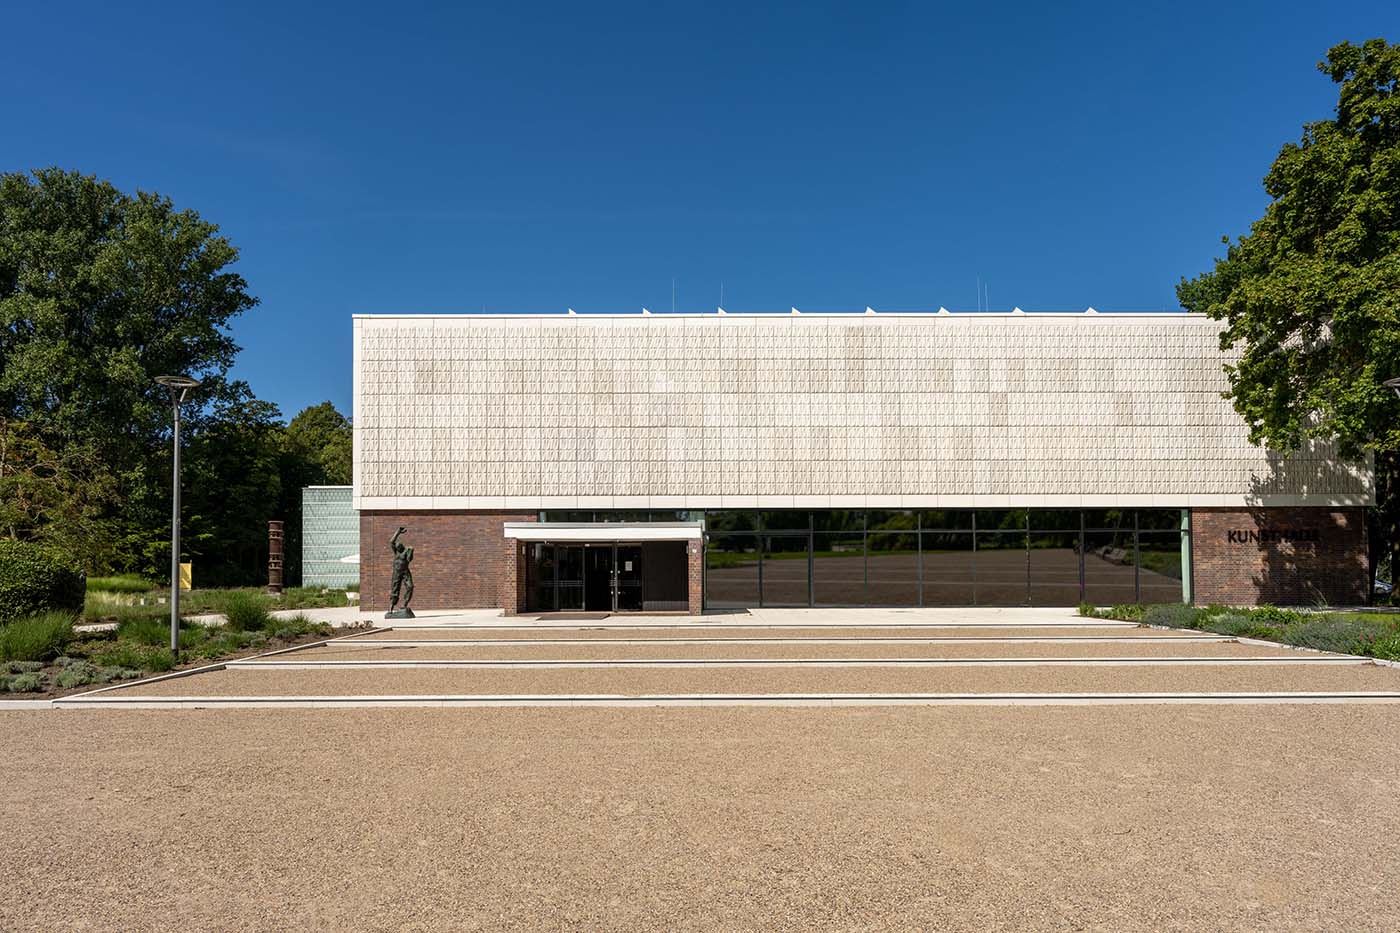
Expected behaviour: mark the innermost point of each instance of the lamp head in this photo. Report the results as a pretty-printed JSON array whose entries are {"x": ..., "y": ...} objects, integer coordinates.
[{"x": 177, "y": 382}]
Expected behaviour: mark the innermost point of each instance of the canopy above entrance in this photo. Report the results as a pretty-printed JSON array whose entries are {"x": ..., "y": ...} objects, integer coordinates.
[{"x": 605, "y": 531}]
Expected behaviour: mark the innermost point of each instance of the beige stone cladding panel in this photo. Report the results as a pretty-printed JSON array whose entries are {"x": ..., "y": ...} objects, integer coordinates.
[{"x": 810, "y": 410}]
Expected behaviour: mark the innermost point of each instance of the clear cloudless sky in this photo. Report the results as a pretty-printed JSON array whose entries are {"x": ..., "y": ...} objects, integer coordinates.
[{"x": 532, "y": 157}]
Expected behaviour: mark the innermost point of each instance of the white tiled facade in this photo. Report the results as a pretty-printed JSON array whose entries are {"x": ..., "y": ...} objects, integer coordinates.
[{"x": 842, "y": 411}]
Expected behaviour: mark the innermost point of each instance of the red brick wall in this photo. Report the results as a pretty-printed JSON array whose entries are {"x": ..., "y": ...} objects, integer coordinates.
[
  {"x": 1283, "y": 556},
  {"x": 695, "y": 553},
  {"x": 460, "y": 559}
]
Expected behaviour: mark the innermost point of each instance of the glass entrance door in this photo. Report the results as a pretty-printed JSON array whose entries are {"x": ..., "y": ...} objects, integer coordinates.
[
  {"x": 627, "y": 578},
  {"x": 569, "y": 576},
  {"x": 591, "y": 578}
]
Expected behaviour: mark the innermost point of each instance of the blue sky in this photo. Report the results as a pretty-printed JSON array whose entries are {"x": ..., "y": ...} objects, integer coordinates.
[{"x": 518, "y": 157}]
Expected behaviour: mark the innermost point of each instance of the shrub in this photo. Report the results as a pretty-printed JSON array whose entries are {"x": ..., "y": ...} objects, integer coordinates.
[
  {"x": 1172, "y": 615},
  {"x": 1128, "y": 612},
  {"x": 246, "y": 612},
  {"x": 1274, "y": 616},
  {"x": 1239, "y": 625},
  {"x": 129, "y": 655},
  {"x": 295, "y": 627},
  {"x": 1381, "y": 644},
  {"x": 156, "y": 632},
  {"x": 26, "y": 683},
  {"x": 35, "y": 579},
  {"x": 77, "y": 674},
  {"x": 128, "y": 583},
  {"x": 100, "y": 608},
  {"x": 22, "y": 667},
  {"x": 144, "y": 631},
  {"x": 36, "y": 638},
  {"x": 313, "y": 597},
  {"x": 1332, "y": 633},
  {"x": 226, "y": 642}
]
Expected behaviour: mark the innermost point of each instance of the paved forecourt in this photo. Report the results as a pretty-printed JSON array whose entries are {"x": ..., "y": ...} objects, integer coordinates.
[{"x": 769, "y": 657}]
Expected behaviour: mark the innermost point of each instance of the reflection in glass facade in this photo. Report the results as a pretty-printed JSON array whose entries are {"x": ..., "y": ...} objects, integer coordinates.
[
  {"x": 951, "y": 557},
  {"x": 945, "y": 557}
]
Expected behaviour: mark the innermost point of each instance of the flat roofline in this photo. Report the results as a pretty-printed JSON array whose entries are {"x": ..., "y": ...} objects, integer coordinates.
[{"x": 766, "y": 315}]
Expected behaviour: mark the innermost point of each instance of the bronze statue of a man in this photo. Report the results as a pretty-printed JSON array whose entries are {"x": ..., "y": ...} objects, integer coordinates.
[{"x": 403, "y": 577}]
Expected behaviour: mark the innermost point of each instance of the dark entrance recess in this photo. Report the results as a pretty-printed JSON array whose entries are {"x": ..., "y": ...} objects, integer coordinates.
[{"x": 605, "y": 577}]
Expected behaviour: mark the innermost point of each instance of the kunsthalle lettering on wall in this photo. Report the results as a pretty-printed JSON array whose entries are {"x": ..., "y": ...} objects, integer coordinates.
[{"x": 1273, "y": 536}]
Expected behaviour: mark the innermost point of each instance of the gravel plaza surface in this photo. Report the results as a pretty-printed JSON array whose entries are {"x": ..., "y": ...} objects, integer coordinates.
[
  {"x": 1140, "y": 817},
  {"x": 1114, "y": 818}
]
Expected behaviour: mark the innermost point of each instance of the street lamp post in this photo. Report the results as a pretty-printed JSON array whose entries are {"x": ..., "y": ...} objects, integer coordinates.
[
  {"x": 178, "y": 386},
  {"x": 1394, "y": 386}
]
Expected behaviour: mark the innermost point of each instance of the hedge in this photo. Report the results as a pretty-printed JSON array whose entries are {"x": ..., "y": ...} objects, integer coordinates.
[{"x": 35, "y": 579}]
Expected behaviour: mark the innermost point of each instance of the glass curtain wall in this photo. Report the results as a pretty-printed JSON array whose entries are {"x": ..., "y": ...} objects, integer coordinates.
[{"x": 950, "y": 557}]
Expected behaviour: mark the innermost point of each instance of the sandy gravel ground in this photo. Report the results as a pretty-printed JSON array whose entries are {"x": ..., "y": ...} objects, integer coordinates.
[
  {"x": 1153, "y": 648},
  {"x": 243, "y": 682},
  {"x": 1123, "y": 819}
]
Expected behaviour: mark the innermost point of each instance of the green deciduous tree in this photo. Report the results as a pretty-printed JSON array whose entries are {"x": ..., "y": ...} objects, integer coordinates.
[
  {"x": 326, "y": 438},
  {"x": 100, "y": 291},
  {"x": 1312, "y": 294}
]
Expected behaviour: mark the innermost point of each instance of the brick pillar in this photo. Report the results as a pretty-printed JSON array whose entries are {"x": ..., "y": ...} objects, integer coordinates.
[
  {"x": 512, "y": 591},
  {"x": 695, "y": 555}
]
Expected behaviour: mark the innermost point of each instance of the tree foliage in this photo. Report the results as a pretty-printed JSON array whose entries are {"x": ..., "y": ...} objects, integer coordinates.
[
  {"x": 101, "y": 291},
  {"x": 323, "y": 435},
  {"x": 1312, "y": 295}
]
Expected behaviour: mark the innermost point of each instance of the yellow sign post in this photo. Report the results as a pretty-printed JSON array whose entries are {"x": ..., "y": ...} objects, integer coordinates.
[{"x": 186, "y": 576}]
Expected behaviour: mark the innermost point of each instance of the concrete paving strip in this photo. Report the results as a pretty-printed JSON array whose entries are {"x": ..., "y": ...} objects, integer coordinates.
[
  {"x": 719, "y": 700},
  {"x": 582, "y": 634},
  {"x": 664, "y": 650},
  {"x": 749, "y": 623},
  {"x": 838, "y": 640},
  {"x": 1260, "y": 678},
  {"x": 575, "y": 663}
]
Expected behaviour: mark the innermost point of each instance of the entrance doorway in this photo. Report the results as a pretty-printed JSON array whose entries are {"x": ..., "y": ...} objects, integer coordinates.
[{"x": 606, "y": 577}]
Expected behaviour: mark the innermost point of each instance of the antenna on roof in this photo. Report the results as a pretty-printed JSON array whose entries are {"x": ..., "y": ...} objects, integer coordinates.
[{"x": 721, "y": 311}]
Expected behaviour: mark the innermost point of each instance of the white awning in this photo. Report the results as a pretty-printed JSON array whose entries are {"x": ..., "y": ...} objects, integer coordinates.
[{"x": 605, "y": 532}]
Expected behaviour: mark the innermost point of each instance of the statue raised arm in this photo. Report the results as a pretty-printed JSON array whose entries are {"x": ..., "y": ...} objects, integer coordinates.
[{"x": 402, "y": 579}]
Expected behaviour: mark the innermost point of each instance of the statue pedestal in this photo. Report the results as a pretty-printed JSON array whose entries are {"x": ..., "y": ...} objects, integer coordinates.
[{"x": 404, "y": 613}]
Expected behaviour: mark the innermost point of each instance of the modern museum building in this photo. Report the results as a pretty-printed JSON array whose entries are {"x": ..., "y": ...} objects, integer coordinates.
[{"x": 678, "y": 462}]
